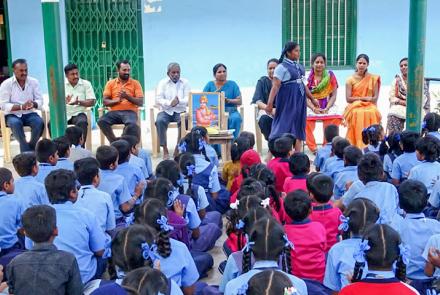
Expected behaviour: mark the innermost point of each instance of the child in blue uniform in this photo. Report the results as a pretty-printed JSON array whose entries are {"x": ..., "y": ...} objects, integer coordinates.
[
  {"x": 415, "y": 230},
  {"x": 382, "y": 249},
  {"x": 76, "y": 138},
  {"x": 27, "y": 187},
  {"x": 348, "y": 174},
  {"x": 47, "y": 156},
  {"x": 394, "y": 150},
  {"x": 373, "y": 137},
  {"x": 78, "y": 229},
  {"x": 359, "y": 215},
  {"x": 383, "y": 194},
  {"x": 114, "y": 184},
  {"x": 270, "y": 282},
  {"x": 431, "y": 125},
  {"x": 135, "y": 130},
  {"x": 63, "y": 148},
  {"x": 267, "y": 242},
  {"x": 11, "y": 209},
  {"x": 176, "y": 263},
  {"x": 132, "y": 174},
  {"x": 406, "y": 161},
  {"x": 428, "y": 152},
  {"x": 206, "y": 174},
  {"x": 89, "y": 197},
  {"x": 330, "y": 132},
  {"x": 209, "y": 150},
  {"x": 332, "y": 168},
  {"x": 146, "y": 279},
  {"x": 134, "y": 152}
]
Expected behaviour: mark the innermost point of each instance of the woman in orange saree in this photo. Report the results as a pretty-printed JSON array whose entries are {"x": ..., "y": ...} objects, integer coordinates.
[{"x": 362, "y": 92}]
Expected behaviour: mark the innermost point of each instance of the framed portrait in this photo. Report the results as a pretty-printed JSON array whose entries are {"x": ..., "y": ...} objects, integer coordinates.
[{"x": 206, "y": 109}]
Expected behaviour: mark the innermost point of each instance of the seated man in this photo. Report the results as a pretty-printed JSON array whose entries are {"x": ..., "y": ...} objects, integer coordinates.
[
  {"x": 122, "y": 96},
  {"x": 79, "y": 96},
  {"x": 172, "y": 100},
  {"x": 20, "y": 96}
]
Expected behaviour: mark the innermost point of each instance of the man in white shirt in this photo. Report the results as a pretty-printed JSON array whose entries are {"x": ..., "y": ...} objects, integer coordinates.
[
  {"x": 20, "y": 96},
  {"x": 172, "y": 100},
  {"x": 79, "y": 96}
]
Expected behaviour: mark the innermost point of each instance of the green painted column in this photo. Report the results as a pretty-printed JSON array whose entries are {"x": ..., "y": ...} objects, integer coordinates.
[
  {"x": 416, "y": 62},
  {"x": 54, "y": 66}
]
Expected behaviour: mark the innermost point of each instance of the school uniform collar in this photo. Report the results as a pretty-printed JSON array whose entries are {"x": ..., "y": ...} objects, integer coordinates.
[
  {"x": 265, "y": 264},
  {"x": 44, "y": 246},
  {"x": 28, "y": 177},
  {"x": 86, "y": 187},
  {"x": 67, "y": 204},
  {"x": 371, "y": 183},
  {"x": 62, "y": 159},
  {"x": 122, "y": 165},
  {"x": 377, "y": 274},
  {"x": 305, "y": 221},
  {"x": 322, "y": 207},
  {"x": 350, "y": 168},
  {"x": 3, "y": 194},
  {"x": 106, "y": 171},
  {"x": 45, "y": 164},
  {"x": 415, "y": 216},
  {"x": 300, "y": 176},
  {"x": 283, "y": 160}
]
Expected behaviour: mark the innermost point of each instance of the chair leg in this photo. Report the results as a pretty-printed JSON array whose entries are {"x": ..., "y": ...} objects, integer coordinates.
[
  {"x": 258, "y": 136},
  {"x": 7, "y": 146},
  {"x": 153, "y": 133},
  {"x": 102, "y": 136}
]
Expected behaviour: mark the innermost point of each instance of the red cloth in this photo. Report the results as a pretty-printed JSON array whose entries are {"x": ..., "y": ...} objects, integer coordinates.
[
  {"x": 308, "y": 257},
  {"x": 292, "y": 184},
  {"x": 378, "y": 287},
  {"x": 247, "y": 160},
  {"x": 281, "y": 171},
  {"x": 232, "y": 242},
  {"x": 236, "y": 186},
  {"x": 329, "y": 218}
]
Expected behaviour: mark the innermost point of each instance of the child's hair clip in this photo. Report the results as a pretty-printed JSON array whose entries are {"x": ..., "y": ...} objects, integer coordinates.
[
  {"x": 172, "y": 196},
  {"x": 359, "y": 255},
  {"x": 191, "y": 169},
  {"x": 182, "y": 147},
  {"x": 288, "y": 243},
  {"x": 240, "y": 224},
  {"x": 265, "y": 203},
  {"x": 149, "y": 251},
  {"x": 234, "y": 205},
  {"x": 163, "y": 222},
  {"x": 344, "y": 226}
]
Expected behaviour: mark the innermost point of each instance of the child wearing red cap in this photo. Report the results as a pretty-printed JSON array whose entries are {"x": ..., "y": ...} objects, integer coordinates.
[{"x": 247, "y": 160}]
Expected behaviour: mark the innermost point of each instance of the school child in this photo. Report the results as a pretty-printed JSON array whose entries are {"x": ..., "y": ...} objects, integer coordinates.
[
  {"x": 262, "y": 174},
  {"x": 206, "y": 174},
  {"x": 359, "y": 215},
  {"x": 320, "y": 187},
  {"x": 381, "y": 249},
  {"x": 311, "y": 247},
  {"x": 138, "y": 246},
  {"x": 373, "y": 137},
  {"x": 299, "y": 166},
  {"x": 234, "y": 264},
  {"x": 348, "y": 174},
  {"x": 11, "y": 209},
  {"x": 146, "y": 280},
  {"x": 135, "y": 130},
  {"x": 431, "y": 254},
  {"x": 332, "y": 156},
  {"x": 63, "y": 148},
  {"x": 209, "y": 150},
  {"x": 430, "y": 125},
  {"x": 186, "y": 163},
  {"x": 114, "y": 184},
  {"x": 78, "y": 229},
  {"x": 232, "y": 168},
  {"x": 394, "y": 151},
  {"x": 44, "y": 269},
  {"x": 334, "y": 167},
  {"x": 76, "y": 139},
  {"x": 283, "y": 149},
  {"x": 428, "y": 172},
  {"x": 47, "y": 156},
  {"x": 415, "y": 230},
  {"x": 152, "y": 213},
  {"x": 406, "y": 161},
  {"x": 248, "y": 159},
  {"x": 267, "y": 242},
  {"x": 323, "y": 153},
  {"x": 132, "y": 174},
  {"x": 270, "y": 282},
  {"x": 383, "y": 194},
  {"x": 89, "y": 197},
  {"x": 27, "y": 187},
  {"x": 250, "y": 136},
  {"x": 195, "y": 209},
  {"x": 134, "y": 151}
]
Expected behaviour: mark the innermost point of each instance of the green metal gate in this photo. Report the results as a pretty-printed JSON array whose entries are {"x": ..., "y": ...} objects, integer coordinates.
[{"x": 101, "y": 32}]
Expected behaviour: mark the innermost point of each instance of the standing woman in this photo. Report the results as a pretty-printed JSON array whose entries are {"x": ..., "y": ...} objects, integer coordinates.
[
  {"x": 290, "y": 93},
  {"x": 362, "y": 92},
  {"x": 324, "y": 87},
  {"x": 232, "y": 96}
]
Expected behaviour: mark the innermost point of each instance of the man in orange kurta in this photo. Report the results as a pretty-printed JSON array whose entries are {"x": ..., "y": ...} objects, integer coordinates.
[{"x": 122, "y": 95}]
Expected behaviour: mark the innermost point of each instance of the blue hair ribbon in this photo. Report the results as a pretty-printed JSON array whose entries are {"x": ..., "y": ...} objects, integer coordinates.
[
  {"x": 424, "y": 125},
  {"x": 163, "y": 222},
  {"x": 240, "y": 224},
  {"x": 129, "y": 220},
  {"x": 149, "y": 251},
  {"x": 383, "y": 218},
  {"x": 288, "y": 243},
  {"x": 397, "y": 137},
  {"x": 344, "y": 226},
  {"x": 191, "y": 169},
  {"x": 404, "y": 253},
  {"x": 172, "y": 196},
  {"x": 359, "y": 255},
  {"x": 182, "y": 147},
  {"x": 180, "y": 181},
  {"x": 248, "y": 245},
  {"x": 107, "y": 250},
  {"x": 201, "y": 144}
]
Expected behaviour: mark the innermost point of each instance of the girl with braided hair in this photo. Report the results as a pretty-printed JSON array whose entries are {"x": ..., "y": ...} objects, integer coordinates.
[
  {"x": 380, "y": 248},
  {"x": 147, "y": 280}
]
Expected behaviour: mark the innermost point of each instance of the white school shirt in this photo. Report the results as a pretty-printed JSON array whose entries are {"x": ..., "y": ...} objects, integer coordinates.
[
  {"x": 167, "y": 90},
  {"x": 11, "y": 93}
]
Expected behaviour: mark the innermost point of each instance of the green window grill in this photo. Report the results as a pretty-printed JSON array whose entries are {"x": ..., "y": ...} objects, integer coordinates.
[
  {"x": 325, "y": 26},
  {"x": 101, "y": 32}
]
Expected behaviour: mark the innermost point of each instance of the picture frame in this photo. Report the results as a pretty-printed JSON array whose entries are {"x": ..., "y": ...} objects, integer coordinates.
[{"x": 206, "y": 109}]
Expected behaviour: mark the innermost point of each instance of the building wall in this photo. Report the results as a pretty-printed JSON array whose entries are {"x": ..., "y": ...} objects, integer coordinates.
[{"x": 243, "y": 34}]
